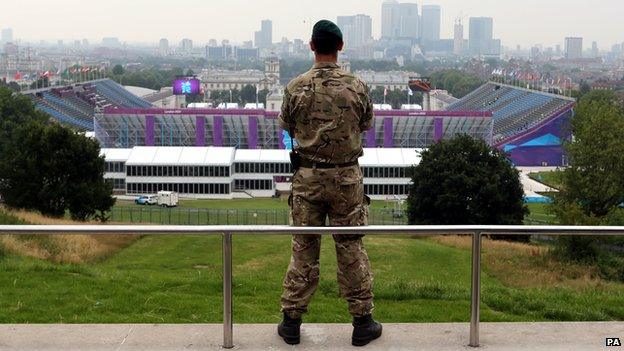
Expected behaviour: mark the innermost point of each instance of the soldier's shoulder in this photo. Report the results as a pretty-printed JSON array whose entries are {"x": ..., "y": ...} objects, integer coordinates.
[
  {"x": 299, "y": 81},
  {"x": 358, "y": 82}
]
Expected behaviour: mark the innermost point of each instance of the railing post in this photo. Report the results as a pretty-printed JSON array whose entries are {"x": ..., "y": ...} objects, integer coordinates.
[
  {"x": 228, "y": 340},
  {"x": 476, "y": 290}
]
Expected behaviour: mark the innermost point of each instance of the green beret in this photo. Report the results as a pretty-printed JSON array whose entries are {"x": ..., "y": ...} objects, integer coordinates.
[{"x": 325, "y": 28}]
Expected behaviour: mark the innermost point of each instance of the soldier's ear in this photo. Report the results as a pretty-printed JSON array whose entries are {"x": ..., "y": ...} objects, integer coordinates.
[
  {"x": 312, "y": 47},
  {"x": 341, "y": 45}
]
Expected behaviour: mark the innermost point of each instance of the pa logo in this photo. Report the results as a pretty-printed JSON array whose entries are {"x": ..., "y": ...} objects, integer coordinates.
[{"x": 613, "y": 342}]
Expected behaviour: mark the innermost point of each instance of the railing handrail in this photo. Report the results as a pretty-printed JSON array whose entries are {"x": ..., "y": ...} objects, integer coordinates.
[
  {"x": 226, "y": 231},
  {"x": 419, "y": 230}
]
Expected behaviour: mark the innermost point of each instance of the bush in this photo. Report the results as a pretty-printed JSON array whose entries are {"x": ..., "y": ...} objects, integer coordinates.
[{"x": 465, "y": 181}]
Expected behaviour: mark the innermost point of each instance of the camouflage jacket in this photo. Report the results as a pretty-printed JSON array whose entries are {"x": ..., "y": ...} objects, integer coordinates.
[{"x": 326, "y": 109}]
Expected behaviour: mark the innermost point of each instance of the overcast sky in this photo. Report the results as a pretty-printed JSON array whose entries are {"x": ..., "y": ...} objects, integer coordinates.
[{"x": 524, "y": 22}]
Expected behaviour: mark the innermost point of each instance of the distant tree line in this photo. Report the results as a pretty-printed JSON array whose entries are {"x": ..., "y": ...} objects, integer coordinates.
[
  {"x": 151, "y": 78},
  {"x": 457, "y": 83}
]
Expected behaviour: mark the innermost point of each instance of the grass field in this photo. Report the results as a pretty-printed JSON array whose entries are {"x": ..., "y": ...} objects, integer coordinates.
[
  {"x": 550, "y": 178},
  {"x": 165, "y": 279}
]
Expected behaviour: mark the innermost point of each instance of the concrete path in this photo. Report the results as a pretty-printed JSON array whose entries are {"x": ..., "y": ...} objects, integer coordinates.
[{"x": 317, "y": 337}]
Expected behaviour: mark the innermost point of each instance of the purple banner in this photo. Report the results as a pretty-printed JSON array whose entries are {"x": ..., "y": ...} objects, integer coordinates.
[
  {"x": 388, "y": 132},
  {"x": 438, "y": 124},
  {"x": 370, "y": 136},
  {"x": 149, "y": 130},
  {"x": 217, "y": 132},
  {"x": 280, "y": 134},
  {"x": 200, "y": 131},
  {"x": 252, "y": 136}
]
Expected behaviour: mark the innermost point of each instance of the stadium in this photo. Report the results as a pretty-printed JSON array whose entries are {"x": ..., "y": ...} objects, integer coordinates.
[{"x": 230, "y": 153}]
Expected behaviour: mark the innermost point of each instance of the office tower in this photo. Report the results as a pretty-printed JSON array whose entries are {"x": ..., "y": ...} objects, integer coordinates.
[
  {"x": 111, "y": 42},
  {"x": 6, "y": 36},
  {"x": 595, "y": 52},
  {"x": 409, "y": 21},
  {"x": 186, "y": 46},
  {"x": 356, "y": 30},
  {"x": 480, "y": 35},
  {"x": 430, "y": 23},
  {"x": 163, "y": 47},
  {"x": 263, "y": 39},
  {"x": 573, "y": 48},
  {"x": 458, "y": 38},
  {"x": 390, "y": 19}
]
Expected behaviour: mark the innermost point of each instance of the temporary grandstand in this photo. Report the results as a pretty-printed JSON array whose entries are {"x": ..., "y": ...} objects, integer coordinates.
[
  {"x": 530, "y": 125},
  {"x": 76, "y": 105},
  {"x": 227, "y": 172},
  {"x": 258, "y": 129}
]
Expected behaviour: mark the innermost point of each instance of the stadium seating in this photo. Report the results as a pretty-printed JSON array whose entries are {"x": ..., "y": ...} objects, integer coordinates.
[
  {"x": 514, "y": 109},
  {"x": 76, "y": 105}
]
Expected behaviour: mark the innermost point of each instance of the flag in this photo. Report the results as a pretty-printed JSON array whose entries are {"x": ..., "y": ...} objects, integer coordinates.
[
  {"x": 410, "y": 92},
  {"x": 385, "y": 91},
  {"x": 17, "y": 76}
]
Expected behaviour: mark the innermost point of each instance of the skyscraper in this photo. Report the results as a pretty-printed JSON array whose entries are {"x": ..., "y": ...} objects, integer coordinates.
[
  {"x": 480, "y": 35},
  {"x": 7, "y": 36},
  {"x": 263, "y": 39},
  {"x": 356, "y": 30},
  {"x": 458, "y": 38},
  {"x": 399, "y": 20},
  {"x": 186, "y": 45},
  {"x": 430, "y": 23},
  {"x": 573, "y": 48},
  {"x": 163, "y": 47},
  {"x": 357, "y": 34},
  {"x": 390, "y": 19},
  {"x": 409, "y": 21},
  {"x": 595, "y": 52}
]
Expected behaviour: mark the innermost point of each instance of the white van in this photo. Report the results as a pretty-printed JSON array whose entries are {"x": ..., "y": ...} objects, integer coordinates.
[{"x": 167, "y": 199}]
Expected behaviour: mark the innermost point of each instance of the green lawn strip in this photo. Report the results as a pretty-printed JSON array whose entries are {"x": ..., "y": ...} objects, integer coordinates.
[
  {"x": 549, "y": 178},
  {"x": 538, "y": 213},
  {"x": 166, "y": 279}
]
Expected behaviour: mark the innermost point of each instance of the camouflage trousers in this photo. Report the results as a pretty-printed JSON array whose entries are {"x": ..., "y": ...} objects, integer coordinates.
[{"x": 337, "y": 194}]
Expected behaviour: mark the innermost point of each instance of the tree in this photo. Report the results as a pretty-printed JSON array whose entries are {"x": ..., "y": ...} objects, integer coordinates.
[
  {"x": 248, "y": 94},
  {"x": 593, "y": 186},
  {"x": 118, "y": 70},
  {"x": 465, "y": 181},
  {"x": 47, "y": 167},
  {"x": 458, "y": 83}
]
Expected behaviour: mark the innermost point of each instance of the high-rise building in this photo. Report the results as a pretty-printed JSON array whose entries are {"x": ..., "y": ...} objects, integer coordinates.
[
  {"x": 111, "y": 42},
  {"x": 186, "y": 46},
  {"x": 263, "y": 39},
  {"x": 400, "y": 20},
  {"x": 7, "y": 36},
  {"x": 430, "y": 23},
  {"x": 458, "y": 38},
  {"x": 480, "y": 35},
  {"x": 390, "y": 19},
  {"x": 163, "y": 47},
  {"x": 573, "y": 48},
  {"x": 409, "y": 21},
  {"x": 357, "y": 32},
  {"x": 595, "y": 52}
]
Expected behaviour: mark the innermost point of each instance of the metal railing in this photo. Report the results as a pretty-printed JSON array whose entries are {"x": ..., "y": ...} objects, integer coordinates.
[{"x": 226, "y": 232}]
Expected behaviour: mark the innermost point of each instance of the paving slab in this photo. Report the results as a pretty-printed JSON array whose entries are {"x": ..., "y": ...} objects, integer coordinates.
[{"x": 408, "y": 336}]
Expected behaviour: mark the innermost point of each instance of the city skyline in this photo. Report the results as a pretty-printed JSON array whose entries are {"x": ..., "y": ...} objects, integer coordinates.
[{"x": 548, "y": 22}]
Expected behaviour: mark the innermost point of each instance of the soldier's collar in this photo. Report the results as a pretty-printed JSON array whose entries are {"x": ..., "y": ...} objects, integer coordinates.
[{"x": 325, "y": 65}]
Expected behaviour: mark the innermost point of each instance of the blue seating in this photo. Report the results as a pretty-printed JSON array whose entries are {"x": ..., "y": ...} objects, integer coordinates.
[
  {"x": 514, "y": 109},
  {"x": 77, "y": 105}
]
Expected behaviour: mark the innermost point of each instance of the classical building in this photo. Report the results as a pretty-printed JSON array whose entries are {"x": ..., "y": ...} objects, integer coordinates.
[
  {"x": 215, "y": 79},
  {"x": 391, "y": 80}
]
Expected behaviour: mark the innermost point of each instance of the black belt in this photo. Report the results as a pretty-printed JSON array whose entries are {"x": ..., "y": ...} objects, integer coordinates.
[{"x": 311, "y": 164}]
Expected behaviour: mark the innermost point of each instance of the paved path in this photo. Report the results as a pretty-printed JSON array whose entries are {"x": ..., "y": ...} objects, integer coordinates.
[{"x": 317, "y": 337}]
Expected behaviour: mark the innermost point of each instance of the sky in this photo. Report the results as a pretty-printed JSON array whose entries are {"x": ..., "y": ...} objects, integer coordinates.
[{"x": 516, "y": 22}]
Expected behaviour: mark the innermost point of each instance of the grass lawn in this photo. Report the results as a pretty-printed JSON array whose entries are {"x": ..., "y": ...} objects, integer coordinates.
[
  {"x": 538, "y": 214},
  {"x": 165, "y": 279},
  {"x": 550, "y": 178}
]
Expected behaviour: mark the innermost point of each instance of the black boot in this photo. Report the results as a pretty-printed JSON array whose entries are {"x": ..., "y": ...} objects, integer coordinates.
[
  {"x": 365, "y": 330},
  {"x": 289, "y": 330}
]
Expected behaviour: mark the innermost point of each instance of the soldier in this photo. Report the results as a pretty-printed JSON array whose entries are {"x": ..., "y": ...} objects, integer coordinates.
[{"x": 325, "y": 110}]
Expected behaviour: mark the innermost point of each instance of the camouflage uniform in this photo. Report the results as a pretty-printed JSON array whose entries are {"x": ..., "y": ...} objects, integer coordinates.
[{"x": 326, "y": 110}]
